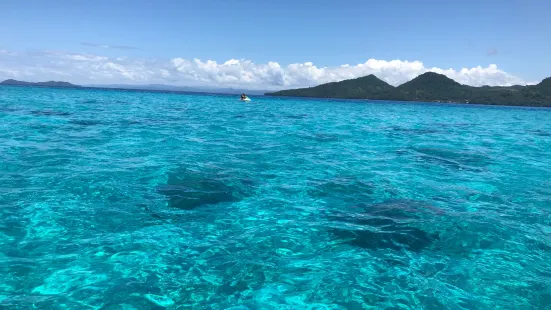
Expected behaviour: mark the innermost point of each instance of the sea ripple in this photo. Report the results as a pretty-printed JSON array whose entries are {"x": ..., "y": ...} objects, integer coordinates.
[{"x": 138, "y": 200}]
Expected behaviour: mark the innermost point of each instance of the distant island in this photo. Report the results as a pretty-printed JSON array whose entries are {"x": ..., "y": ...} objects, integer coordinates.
[
  {"x": 42, "y": 84},
  {"x": 428, "y": 87},
  {"x": 186, "y": 89},
  {"x": 147, "y": 87}
]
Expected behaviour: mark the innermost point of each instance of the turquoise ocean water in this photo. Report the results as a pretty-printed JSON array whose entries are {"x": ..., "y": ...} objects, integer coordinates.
[{"x": 142, "y": 200}]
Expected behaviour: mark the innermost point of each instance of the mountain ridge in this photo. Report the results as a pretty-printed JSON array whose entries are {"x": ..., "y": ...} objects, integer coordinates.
[
  {"x": 428, "y": 87},
  {"x": 13, "y": 82},
  {"x": 362, "y": 86}
]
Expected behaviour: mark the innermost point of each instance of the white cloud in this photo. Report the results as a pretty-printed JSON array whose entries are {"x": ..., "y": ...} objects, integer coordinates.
[
  {"x": 86, "y": 57},
  {"x": 88, "y": 68},
  {"x": 272, "y": 74}
]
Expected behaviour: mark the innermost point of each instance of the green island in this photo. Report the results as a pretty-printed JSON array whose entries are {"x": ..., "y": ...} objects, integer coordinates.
[
  {"x": 428, "y": 87},
  {"x": 41, "y": 84}
]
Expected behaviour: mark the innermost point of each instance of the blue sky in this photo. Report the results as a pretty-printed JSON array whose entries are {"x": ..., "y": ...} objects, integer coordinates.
[{"x": 150, "y": 35}]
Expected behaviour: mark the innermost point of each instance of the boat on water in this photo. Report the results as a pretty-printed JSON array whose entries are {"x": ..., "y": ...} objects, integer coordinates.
[{"x": 244, "y": 98}]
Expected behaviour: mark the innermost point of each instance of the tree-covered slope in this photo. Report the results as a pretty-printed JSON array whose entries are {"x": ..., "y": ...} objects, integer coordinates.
[
  {"x": 363, "y": 87},
  {"x": 428, "y": 86}
]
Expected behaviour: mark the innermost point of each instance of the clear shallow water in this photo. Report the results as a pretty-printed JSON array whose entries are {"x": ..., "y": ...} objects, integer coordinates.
[{"x": 134, "y": 200}]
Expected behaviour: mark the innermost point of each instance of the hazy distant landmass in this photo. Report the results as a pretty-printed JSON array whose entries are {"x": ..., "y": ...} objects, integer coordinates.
[
  {"x": 191, "y": 89},
  {"x": 155, "y": 87},
  {"x": 428, "y": 87},
  {"x": 43, "y": 84}
]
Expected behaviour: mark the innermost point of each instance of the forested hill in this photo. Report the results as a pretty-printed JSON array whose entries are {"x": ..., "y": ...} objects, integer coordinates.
[
  {"x": 431, "y": 87},
  {"x": 363, "y": 87}
]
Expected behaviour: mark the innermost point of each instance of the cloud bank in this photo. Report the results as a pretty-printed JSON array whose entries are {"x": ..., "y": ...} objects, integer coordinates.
[{"x": 96, "y": 69}]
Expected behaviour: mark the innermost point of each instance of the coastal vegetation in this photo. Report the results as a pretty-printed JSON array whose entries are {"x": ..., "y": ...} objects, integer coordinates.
[{"x": 428, "y": 87}]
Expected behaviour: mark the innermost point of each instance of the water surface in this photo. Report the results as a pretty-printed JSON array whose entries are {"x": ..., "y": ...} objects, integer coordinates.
[{"x": 137, "y": 200}]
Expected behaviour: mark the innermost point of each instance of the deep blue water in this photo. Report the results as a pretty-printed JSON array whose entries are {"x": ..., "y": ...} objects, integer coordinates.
[{"x": 136, "y": 200}]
